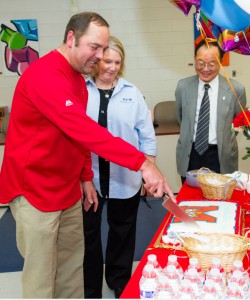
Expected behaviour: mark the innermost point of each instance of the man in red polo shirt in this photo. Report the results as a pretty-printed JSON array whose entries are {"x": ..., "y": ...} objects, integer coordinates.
[{"x": 47, "y": 156}]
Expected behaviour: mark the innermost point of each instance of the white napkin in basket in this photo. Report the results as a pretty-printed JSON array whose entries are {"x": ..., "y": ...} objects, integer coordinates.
[
  {"x": 243, "y": 178},
  {"x": 214, "y": 181}
]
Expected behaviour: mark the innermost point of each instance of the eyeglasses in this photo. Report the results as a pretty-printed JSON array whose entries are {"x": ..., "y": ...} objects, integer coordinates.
[{"x": 201, "y": 65}]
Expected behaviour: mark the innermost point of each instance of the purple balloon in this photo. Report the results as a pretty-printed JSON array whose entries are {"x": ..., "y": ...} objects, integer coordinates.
[{"x": 185, "y": 5}]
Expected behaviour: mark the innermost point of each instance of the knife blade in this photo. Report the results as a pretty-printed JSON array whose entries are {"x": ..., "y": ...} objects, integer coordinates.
[{"x": 177, "y": 211}]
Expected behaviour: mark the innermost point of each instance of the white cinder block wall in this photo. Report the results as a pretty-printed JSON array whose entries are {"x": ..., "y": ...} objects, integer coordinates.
[{"x": 158, "y": 39}]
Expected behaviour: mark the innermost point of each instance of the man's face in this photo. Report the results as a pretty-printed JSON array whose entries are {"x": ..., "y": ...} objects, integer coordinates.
[
  {"x": 206, "y": 64},
  {"x": 89, "y": 51}
]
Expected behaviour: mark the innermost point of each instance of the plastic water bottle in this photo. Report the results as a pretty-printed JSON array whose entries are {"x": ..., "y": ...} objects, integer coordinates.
[
  {"x": 238, "y": 266},
  {"x": 239, "y": 278},
  {"x": 173, "y": 277},
  {"x": 193, "y": 277},
  {"x": 216, "y": 277},
  {"x": 186, "y": 291},
  {"x": 148, "y": 282},
  {"x": 172, "y": 260},
  {"x": 209, "y": 291},
  {"x": 216, "y": 264},
  {"x": 233, "y": 292},
  {"x": 152, "y": 259},
  {"x": 163, "y": 289},
  {"x": 194, "y": 264}
]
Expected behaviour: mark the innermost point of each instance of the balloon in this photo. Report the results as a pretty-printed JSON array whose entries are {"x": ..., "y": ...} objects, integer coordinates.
[
  {"x": 227, "y": 21},
  {"x": 236, "y": 42},
  {"x": 227, "y": 14},
  {"x": 185, "y": 5},
  {"x": 228, "y": 40},
  {"x": 244, "y": 4}
]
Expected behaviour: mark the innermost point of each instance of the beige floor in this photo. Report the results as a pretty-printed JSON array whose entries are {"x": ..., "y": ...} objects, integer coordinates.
[{"x": 10, "y": 286}]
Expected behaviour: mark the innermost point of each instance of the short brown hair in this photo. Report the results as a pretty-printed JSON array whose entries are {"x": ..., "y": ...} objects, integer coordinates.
[{"x": 79, "y": 24}]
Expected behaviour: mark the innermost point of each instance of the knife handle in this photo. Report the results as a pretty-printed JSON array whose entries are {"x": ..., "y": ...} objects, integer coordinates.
[{"x": 164, "y": 194}]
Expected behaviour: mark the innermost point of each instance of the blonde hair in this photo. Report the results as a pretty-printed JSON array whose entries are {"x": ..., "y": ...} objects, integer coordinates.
[{"x": 116, "y": 45}]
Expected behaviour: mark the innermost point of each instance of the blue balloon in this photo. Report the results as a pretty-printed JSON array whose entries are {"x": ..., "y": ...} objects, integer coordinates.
[{"x": 226, "y": 14}]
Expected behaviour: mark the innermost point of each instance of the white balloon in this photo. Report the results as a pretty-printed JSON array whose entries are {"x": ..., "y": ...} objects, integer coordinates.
[{"x": 244, "y": 4}]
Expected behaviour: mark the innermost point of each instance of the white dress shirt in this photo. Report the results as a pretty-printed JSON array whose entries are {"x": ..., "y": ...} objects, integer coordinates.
[{"x": 213, "y": 96}]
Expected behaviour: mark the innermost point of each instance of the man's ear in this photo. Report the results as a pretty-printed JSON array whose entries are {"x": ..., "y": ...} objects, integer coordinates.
[{"x": 70, "y": 39}]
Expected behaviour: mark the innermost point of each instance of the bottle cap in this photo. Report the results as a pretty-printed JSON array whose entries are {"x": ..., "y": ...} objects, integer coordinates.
[
  {"x": 238, "y": 263},
  {"x": 151, "y": 257},
  {"x": 172, "y": 258}
]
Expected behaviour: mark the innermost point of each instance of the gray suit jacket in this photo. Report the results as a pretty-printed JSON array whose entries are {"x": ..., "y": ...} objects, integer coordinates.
[{"x": 227, "y": 108}]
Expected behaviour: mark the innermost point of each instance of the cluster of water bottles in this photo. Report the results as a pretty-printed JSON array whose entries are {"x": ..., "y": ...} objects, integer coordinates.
[{"x": 172, "y": 282}]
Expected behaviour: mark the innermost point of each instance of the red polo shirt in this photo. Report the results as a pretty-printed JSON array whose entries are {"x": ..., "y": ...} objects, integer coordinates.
[{"x": 49, "y": 138}]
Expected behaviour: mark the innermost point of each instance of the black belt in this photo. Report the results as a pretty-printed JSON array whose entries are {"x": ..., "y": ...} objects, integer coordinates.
[{"x": 212, "y": 146}]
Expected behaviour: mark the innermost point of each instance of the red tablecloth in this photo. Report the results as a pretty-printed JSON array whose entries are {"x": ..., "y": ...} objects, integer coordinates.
[{"x": 186, "y": 193}]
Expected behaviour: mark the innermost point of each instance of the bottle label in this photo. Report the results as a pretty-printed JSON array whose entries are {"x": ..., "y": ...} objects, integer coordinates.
[{"x": 147, "y": 294}]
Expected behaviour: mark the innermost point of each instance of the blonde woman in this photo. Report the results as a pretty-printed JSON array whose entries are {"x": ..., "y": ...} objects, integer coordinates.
[{"x": 119, "y": 106}]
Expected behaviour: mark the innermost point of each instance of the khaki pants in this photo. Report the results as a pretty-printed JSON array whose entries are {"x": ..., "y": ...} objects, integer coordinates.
[{"x": 53, "y": 247}]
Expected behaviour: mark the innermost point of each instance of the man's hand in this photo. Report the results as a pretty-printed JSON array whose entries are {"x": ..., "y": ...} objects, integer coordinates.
[
  {"x": 90, "y": 195},
  {"x": 155, "y": 182}
]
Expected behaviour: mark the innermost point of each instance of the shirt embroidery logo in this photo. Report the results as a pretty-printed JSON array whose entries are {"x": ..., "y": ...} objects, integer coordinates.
[
  {"x": 68, "y": 103},
  {"x": 127, "y": 100}
]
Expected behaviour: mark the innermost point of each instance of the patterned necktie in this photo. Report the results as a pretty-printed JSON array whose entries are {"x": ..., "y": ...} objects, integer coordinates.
[{"x": 201, "y": 141}]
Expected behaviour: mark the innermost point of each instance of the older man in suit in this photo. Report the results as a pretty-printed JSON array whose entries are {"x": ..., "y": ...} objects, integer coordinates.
[{"x": 210, "y": 143}]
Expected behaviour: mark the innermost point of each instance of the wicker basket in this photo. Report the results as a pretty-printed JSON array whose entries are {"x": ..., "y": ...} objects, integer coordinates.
[
  {"x": 227, "y": 247},
  {"x": 218, "y": 191}
]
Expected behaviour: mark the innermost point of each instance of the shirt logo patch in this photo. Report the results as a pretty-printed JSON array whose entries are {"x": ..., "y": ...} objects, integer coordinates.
[
  {"x": 127, "y": 100},
  {"x": 68, "y": 103}
]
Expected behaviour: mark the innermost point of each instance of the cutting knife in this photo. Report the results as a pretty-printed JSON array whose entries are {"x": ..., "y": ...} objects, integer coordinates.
[{"x": 177, "y": 211}]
